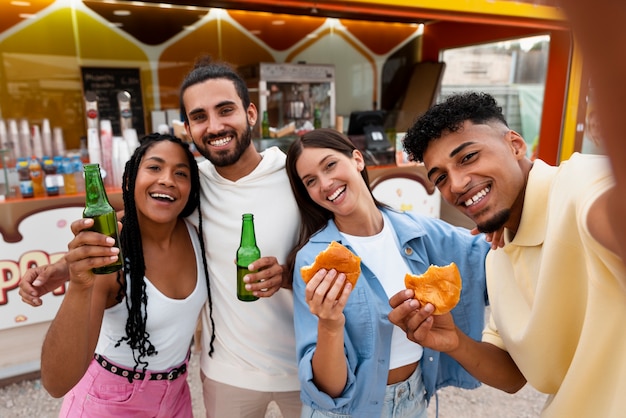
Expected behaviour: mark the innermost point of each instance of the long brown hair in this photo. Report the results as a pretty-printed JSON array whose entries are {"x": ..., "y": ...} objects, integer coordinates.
[{"x": 315, "y": 217}]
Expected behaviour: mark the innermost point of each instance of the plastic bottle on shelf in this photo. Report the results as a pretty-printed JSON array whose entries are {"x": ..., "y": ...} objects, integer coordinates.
[
  {"x": 23, "y": 173},
  {"x": 51, "y": 184},
  {"x": 36, "y": 175},
  {"x": 58, "y": 163},
  {"x": 69, "y": 180}
]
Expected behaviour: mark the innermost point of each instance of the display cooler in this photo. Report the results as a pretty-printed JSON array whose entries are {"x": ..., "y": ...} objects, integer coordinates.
[{"x": 296, "y": 97}]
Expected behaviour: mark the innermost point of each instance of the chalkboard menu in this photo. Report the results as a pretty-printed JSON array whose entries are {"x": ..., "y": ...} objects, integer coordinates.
[{"x": 106, "y": 83}]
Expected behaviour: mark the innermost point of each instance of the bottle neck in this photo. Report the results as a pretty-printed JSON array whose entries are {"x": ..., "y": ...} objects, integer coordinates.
[
  {"x": 247, "y": 233},
  {"x": 95, "y": 194}
]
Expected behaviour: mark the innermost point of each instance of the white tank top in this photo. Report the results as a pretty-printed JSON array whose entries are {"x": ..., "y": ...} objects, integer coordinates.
[
  {"x": 171, "y": 322},
  {"x": 389, "y": 268}
]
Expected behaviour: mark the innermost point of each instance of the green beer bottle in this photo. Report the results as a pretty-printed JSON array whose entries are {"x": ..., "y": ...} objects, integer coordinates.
[
  {"x": 265, "y": 125},
  {"x": 246, "y": 254},
  {"x": 317, "y": 119},
  {"x": 98, "y": 208}
]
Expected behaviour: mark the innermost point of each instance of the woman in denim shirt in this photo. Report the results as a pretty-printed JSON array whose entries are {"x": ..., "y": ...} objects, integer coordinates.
[{"x": 352, "y": 363}]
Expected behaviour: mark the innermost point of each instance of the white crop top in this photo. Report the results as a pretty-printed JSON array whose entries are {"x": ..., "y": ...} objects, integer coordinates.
[
  {"x": 389, "y": 268},
  {"x": 171, "y": 322}
]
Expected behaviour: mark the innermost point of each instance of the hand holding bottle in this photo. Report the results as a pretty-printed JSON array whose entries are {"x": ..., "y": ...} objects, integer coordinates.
[
  {"x": 89, "y": 250},
  {"x": 257, "y": 277},
  {"x": 267, "y": 278}
]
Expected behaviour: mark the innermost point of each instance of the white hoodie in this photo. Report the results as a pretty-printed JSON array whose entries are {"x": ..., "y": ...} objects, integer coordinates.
[{"x": 255, "y": 342}]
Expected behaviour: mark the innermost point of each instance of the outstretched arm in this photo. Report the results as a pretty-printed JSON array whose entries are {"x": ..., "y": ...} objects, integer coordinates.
[
  {"x": 598, "y": 27},
  {"x": 71, "y": 339},
  {"x": 38, "y": 281}
]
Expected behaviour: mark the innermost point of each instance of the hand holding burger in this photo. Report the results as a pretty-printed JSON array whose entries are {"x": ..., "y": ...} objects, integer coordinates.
[{"x": 439, "y": 286}]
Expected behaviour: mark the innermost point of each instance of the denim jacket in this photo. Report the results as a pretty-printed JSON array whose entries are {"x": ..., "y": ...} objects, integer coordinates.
[{"x": 367, "y": 333}]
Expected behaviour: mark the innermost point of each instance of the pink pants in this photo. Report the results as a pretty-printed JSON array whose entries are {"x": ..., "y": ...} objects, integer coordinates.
[{"x": 102, "y": 394}]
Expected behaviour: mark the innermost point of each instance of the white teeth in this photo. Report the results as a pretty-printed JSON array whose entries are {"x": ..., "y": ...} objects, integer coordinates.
[
  {"x": 162, "y": 196},
  {"x": 477, "y": 196},
  {"x": 221, "y": 141},
  {"x": 336, "y": 194}
]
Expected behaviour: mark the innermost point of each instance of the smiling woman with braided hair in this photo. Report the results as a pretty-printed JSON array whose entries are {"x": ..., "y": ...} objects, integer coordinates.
[{"x": 119, "y": 343}]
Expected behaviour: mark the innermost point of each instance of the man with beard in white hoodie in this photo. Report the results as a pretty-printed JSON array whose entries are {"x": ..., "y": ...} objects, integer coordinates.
[{"x": 253, "y": 356}]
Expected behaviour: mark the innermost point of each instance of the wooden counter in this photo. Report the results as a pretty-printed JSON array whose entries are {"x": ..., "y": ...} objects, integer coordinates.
[{"x": 13, "y": 211}]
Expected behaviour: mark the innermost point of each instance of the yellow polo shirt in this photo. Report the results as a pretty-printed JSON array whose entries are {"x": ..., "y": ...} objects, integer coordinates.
[{"x": 558, "y": 298}]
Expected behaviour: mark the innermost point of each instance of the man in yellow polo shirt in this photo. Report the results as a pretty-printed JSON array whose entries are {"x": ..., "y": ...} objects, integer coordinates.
[{"x": 557, "y": 287}]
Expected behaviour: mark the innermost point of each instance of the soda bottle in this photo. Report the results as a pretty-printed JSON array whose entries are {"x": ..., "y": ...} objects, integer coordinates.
[
  {"x": 69, "y": 180},
  {"x": 265, "y": 125},
  {"x": 246, "y": 254},
  {"x": 98, "y": 208},
  {"x": 23, "y": 174},
  {"x": 36, "y": 175},
  {"x": 50, "y": 180}
]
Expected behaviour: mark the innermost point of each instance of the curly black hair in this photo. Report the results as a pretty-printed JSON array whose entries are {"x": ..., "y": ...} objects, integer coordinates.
[{"x": 448, "y": 116}]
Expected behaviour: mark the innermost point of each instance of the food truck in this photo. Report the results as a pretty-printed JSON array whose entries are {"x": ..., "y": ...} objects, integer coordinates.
[{"x": 101, "y": 74}]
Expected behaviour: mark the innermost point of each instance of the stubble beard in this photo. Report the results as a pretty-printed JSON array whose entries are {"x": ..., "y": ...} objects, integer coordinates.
[{"x": 496, "y": 222}]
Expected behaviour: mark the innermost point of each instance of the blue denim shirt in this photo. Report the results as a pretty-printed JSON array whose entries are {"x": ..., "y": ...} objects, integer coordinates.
[{"x": 367, "y": 334}]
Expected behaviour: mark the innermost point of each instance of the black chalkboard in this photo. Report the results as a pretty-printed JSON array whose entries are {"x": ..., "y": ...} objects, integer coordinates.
[{"x": 106, "y": 83}]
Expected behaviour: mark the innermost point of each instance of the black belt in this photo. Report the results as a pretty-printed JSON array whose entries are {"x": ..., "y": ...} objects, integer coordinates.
[{"x": 173, "y": 374}]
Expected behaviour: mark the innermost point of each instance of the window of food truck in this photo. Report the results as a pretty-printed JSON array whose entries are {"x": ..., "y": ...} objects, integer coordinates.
[{"x": 513, "y": 71}]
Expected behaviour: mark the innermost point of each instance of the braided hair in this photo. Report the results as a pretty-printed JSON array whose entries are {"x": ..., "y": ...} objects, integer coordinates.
[{"x": 130, "y": 240}]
